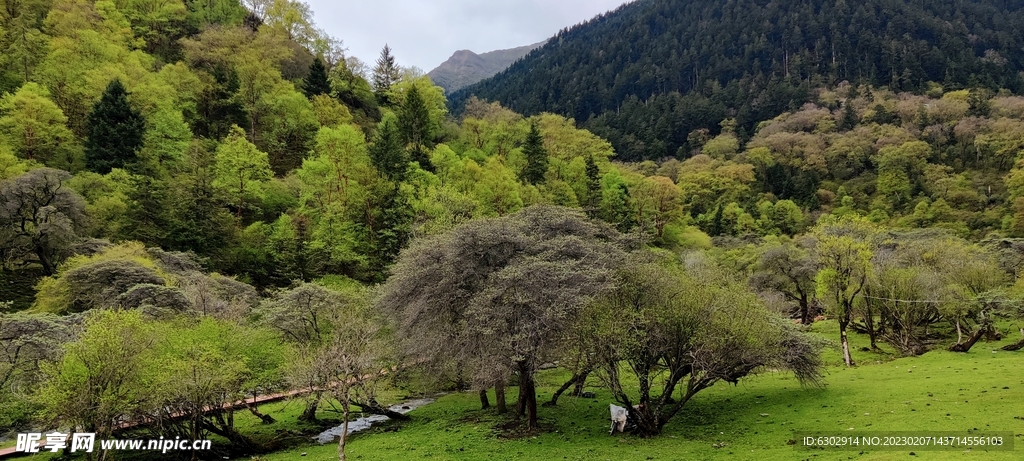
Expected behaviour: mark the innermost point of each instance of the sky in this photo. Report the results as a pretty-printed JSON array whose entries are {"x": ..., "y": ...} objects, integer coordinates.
[{"x": 424, "y": 33}]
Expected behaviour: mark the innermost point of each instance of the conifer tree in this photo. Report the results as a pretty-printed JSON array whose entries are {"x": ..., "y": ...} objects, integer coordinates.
[
  {"x": 593, "y": 187},
  {"x": 114, "y": 131},
  {"x": 414, "y": 125},
  {"x": 385, "y": 74},
  {"x": 387, "y": 154},
  {"x": 849, "y": 120},
  {"x": 536, "y": 157},
  {"x": 316, "y": 82}
]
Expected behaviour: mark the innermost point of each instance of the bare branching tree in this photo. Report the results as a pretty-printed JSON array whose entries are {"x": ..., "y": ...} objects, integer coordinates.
[{"x": 40, "y": 218}]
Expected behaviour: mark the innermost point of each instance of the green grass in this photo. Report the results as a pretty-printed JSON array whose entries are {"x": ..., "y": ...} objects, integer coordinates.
[{"x": 940, "y": 391}]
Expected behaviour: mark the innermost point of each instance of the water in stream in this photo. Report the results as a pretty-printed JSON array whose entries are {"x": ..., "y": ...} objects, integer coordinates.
[{"x": 363, "y": 423}]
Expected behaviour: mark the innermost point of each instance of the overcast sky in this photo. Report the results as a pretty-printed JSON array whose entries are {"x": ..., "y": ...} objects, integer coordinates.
[{"x": 424, "y": 33}]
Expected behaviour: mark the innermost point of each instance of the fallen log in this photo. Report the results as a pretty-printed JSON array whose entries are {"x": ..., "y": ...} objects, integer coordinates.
[
  {"x": 1017, "y": 345},
  {"x": 964, "y": 347}
]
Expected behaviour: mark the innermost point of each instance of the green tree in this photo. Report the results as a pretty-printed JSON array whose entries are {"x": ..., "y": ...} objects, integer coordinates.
[
  {"x": 385, "y": 74},
  {"x": 240, "y": 169},
  {"x": 687, "y": 330},
  {"x": 386, "y": 152},
  {"x": 105, "y": 376},
  {"x": 316, "y": 81},
  {"x": 789, "y": 267},
  {"x": 593, "y": 187},
  {"x": 849, "y": 120},
  {"x": 35, "y": 128},
  {"x": 114, "y": 130},
  {"x": 415, "y": 127},
  {"x": 210, "y": 364},
  {"x": 536, "y": 157},
  {"x": 844, "y": 252}
]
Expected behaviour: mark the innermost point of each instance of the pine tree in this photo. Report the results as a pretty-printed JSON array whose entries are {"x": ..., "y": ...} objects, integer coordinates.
[
  {"x": 385, "y": 74},
  {"x": 849, "y": 120},
  {"x": 593, "y": 187},
  {"x": 536, "y": 157},
  {"x": 316, "y": 82},
  {"x": 386, "y": 152},
  {"x": 414, "y": 125},
  {"x": 113, "y": 131}
]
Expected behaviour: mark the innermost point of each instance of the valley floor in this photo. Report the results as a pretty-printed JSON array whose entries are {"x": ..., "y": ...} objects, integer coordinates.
[{"x": 755, "y": 420}]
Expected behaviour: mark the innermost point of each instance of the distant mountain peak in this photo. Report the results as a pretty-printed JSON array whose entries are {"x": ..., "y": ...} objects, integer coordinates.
[{"x": 466, "y": 67}]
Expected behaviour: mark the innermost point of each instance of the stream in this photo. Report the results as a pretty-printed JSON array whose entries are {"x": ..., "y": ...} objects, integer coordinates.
[{"x": 365, "y": 422}]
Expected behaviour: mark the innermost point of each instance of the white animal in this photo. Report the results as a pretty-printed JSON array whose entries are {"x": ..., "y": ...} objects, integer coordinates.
[{"x": 619, "y": 415}]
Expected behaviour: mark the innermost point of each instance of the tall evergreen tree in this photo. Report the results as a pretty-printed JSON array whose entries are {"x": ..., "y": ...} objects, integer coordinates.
[
  {"x": 316, "y": 81},
  {"x": 536, "y": 157},
  {"x": 593, "y": 187},
  {"x": 114, "y": 131},
  {"x": 414, "y": 125},
  {"x": 849, "y": 119},
  {"x": 385, "y": 74},
  {"x": 387, "y": 154}
]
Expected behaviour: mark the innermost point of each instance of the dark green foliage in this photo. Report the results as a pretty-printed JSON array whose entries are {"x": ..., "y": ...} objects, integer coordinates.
[
  {"x": 384, "y": 229},
  {"x": 198, "y": 222},
  {"x": 648, "y": 73},
  {"x": 593, "y": 187},
  {"x": 202, "y": 13},
  {"x": 316, "y": 81},
  {"x": 355, "y": 92},
  {"x": 114, "y": 131},
  {"x": 217, "y": 110},
  {"x": 536, "y": 157},
  {"x": 978, "y": 100},
  {"x": 414, "y": 125},
  {"x": 882, "y": 115},
  {"x": 385, "y": 74},
  {"x": 849, "y": 119},
  {"x": 387, "y": 153}
]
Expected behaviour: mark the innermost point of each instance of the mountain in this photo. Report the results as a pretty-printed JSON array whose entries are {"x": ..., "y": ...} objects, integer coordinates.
[
  {"x": 649, "y": 73},
  {"x": 465, "y": 67}
]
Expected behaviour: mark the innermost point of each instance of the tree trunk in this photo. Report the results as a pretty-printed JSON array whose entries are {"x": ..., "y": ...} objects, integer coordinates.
[
  {"x": 965, "y": 347},
  {"x": 344, "y": 430},
  {"x": 484, "y": 403},
  {"x": 531, "y": 404},
  {"x": 869, "y": 323},
  {"x": 499, "y": 397},
  {"x": 558, "y": 393},
  {"x": 521, "y": 401},
  {"x": 309, "y": 414},
  {"x": 805, "y": 310},
  {"x": 267, "y": 419},
  {"x": 577, "y": 390},
  {"x": 847, "y": 358},
  {"x": 374, "y": 408},
  {"x": 527, "y": 395}
]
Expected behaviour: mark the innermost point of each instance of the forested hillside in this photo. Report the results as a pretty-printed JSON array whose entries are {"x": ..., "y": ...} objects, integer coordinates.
[{"x": 649, "y": 73}]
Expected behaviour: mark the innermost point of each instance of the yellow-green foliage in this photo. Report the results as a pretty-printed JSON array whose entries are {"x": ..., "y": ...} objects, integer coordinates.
[{"x": 54, "y": 295}]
